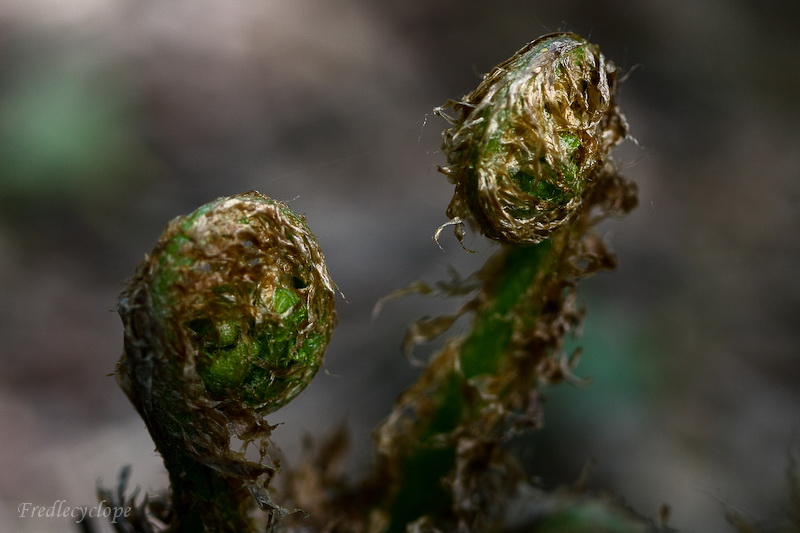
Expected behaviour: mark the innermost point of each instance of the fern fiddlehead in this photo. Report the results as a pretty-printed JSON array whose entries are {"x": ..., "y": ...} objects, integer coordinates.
[
  {"x": 225, "y": 321},
  {"x": 228, "y": 318},
  {"x": 526, "y": 145},
  {"x": 528, "y": 153}
]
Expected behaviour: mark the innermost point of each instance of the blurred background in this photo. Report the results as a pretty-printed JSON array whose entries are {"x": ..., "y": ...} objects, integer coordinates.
[{"x": 117, "y": 115}]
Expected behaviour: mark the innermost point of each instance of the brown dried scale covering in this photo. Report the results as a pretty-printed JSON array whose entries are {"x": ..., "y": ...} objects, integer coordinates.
[{"x": 528, "y": 143}]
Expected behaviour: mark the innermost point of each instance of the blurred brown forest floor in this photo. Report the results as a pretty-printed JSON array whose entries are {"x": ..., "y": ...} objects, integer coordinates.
[{"x": 117, "y": 116}]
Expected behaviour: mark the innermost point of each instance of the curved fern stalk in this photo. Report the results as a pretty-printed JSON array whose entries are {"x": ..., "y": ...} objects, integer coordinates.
[{"x": 528, "y": 155}]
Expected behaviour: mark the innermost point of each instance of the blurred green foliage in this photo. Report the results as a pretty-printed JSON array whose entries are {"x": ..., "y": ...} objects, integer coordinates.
[{"x": 69, "y": 128}]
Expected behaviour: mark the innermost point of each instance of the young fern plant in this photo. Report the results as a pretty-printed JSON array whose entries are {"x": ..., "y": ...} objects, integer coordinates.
[
  {"x": 225, "y": 321},
  {"x": 528, "y": 153},
  {"x": 229, "y": 316}
]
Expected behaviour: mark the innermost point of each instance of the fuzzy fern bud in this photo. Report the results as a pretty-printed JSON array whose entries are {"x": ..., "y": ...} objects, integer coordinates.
[
  {"x": 226, "y": 320},
  {"x": 528, "y": 144}
]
